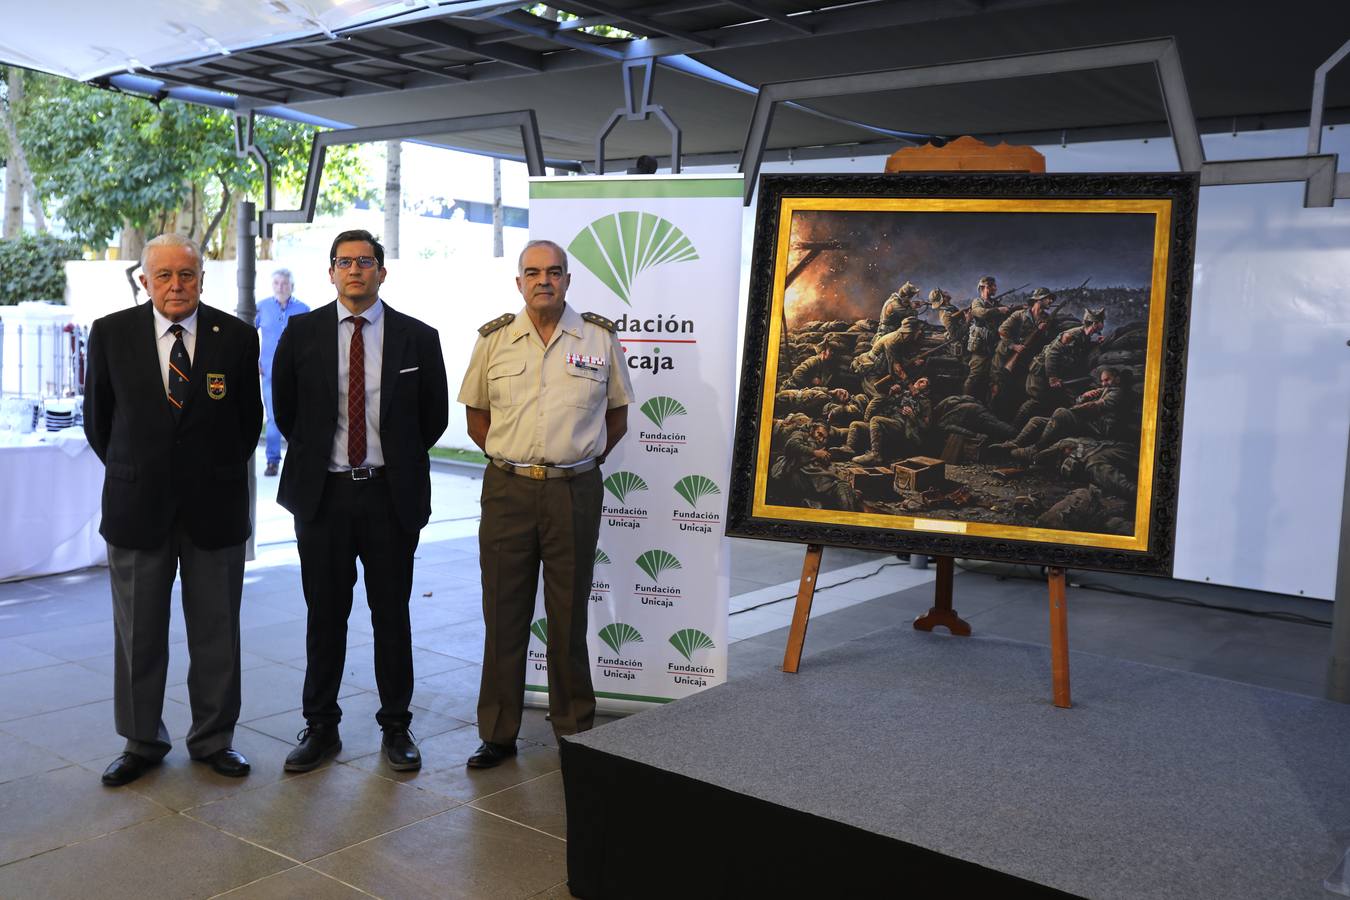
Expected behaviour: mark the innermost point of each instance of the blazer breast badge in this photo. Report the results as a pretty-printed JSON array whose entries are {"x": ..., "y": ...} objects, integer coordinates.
[{"x": 215, "y": 385}]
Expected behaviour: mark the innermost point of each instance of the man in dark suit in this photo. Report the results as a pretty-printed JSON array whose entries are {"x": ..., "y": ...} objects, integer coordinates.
[
  {"x": 172, "y": 408},
  {"x": 359, "y": 392}
]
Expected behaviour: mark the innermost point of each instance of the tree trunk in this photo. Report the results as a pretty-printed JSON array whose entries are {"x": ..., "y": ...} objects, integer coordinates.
[
  {"x": 17, "y": 161},
  {"x": 131, "y": 244},
  {"x": 393, "y": 196},
  {"x": 498, "y": 250},
  {"x": 14, "y": 180},
  {"x": 220, "y": 214}
]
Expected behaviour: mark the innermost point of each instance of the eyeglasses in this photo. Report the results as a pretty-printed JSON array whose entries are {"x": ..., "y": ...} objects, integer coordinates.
[{"x": 345, "y": 262}]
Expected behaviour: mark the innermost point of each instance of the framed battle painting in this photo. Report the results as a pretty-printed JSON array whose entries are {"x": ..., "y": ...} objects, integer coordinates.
[{"x": 987, "y": 366}]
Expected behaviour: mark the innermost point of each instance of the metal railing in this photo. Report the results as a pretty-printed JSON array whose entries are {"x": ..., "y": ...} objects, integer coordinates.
[{"x": 42, "y": 360}]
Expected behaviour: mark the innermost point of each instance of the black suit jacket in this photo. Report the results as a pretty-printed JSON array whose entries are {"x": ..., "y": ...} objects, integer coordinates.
[
  {"x": 414, "y": 409},
  {"x": 160, "y": 465}
]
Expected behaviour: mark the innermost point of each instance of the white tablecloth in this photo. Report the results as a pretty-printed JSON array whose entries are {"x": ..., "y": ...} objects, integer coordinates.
[{"x": 51, "y": 485}]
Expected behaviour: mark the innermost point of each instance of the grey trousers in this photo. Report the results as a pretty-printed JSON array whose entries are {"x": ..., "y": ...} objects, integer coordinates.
[{"x": 142, "y": 591}]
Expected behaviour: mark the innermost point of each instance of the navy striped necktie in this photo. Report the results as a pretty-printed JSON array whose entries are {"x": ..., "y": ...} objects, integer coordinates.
[{"x": 179, "y": 366}]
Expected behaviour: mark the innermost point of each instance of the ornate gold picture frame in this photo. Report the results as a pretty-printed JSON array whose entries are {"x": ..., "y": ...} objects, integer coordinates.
[{"x": 985, "y": 366}]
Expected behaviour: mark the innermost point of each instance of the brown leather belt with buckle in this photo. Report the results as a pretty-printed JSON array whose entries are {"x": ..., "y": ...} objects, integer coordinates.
[{"x": 543, "y": 472}]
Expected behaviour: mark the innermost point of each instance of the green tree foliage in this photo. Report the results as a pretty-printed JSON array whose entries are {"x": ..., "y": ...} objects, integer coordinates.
[
  {"x": 104, "y": 161},
  {"x": 33, "y": 267}
]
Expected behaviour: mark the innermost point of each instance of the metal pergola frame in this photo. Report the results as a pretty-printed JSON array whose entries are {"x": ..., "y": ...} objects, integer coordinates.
[
  {"x": 1317, "y": 170},
  {"x": 523, "y": 119}
]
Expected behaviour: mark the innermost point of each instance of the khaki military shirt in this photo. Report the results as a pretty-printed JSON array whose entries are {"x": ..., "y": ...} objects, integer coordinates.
[{"x": 547, "y": 404}]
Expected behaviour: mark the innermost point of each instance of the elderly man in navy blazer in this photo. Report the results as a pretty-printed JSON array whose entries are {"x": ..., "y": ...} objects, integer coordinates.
[
  {"x": 172, "y": 407},
  {"x": 359, "y": 392}
]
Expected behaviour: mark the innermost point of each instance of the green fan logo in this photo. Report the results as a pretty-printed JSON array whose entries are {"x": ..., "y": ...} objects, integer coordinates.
[
  {"x": 658, "y": 409},
  {"x": 654, "y": 562},
  {"x": 688, "y": 640},
  {"x": 618, "y": 247},
  {"x": 621, "y": 484},
  {"x": 618, "y": 634},
  {"x": 694, "y": 488},
  {"x": 602, "y": 558},
  {"x": 539, "y": 628}
]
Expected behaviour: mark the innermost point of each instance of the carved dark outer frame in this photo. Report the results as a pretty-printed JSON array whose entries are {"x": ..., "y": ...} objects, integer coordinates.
[{"x": 1181, "y": 188}]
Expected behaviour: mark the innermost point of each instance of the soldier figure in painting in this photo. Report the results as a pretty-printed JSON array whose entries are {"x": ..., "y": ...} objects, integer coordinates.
[
  {"x": 986, "y": 315},
  {"x": 898, "y": 307},
  {"x": 824, "y": 368},
  {"x": 1062, "y": 362},
  {"x": 956, "y": 331}
]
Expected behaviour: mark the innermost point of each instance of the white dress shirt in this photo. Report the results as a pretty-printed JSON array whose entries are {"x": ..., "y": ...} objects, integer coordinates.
[
  {"x": 164, "y": 341},
  {"x": 372, "y": 333}
]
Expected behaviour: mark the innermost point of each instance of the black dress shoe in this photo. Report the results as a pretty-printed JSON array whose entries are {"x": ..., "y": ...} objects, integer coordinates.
[
  {"x": 271, "y": 470},
  {"x": 317, "y": 743},
  {"x": 400, "y": 750},
  {"x": 489, "y": 754},
  {"x": 226, "y": 761},
  {"x": 126, "y": 769}
]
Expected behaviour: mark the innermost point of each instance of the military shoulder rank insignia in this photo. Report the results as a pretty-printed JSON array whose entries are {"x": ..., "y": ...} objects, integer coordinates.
[
  {"x": 596, "y": 319},
  {"x": 503, "y": 319},
  {"x": 215, "y": 385}
]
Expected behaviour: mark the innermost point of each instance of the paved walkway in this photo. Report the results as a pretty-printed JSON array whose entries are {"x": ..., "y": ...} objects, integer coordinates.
[{"x": 356, "y": 828}]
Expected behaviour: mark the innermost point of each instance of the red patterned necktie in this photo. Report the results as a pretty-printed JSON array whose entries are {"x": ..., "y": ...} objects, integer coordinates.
[{"x": 356, "y": 396}]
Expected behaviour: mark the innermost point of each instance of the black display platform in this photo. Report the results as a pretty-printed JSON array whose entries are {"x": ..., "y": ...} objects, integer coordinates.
[{"x": 929, "y": 764}]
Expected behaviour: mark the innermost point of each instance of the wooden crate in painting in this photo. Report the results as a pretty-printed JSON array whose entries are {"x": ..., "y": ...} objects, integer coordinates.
[
  {"x": 919, "y": 473},
  {"x": 872, "y": 482}
]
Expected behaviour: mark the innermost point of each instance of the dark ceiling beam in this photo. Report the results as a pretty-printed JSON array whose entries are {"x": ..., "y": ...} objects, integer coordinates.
[
  {"x": 268, "y": 78},
  {"x": 771, "y": 15},
  {"x": 324, "y": 68},
  {"x": 397, "y": 56},
  {"x": 645, "y": 24},
  {"x": 655, "y": 9},
  {"x": 272, "y": 96},
  {"x": 524, "y": 23},
  {"x": 455, "y": 39}
]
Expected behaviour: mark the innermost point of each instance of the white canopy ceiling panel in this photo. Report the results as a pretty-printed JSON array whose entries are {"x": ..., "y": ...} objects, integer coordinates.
[{"x": 97, "y": 38}]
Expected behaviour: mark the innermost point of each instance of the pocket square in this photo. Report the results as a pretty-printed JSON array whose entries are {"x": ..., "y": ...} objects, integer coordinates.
[{"x": 413, "y": 369}]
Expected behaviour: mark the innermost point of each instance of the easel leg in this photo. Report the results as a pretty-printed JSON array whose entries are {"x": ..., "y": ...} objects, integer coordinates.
[
  {"x": 941, "y": 613},
  {"x": 1059, "y": 639},
  {"x": 806, "y": 592}
]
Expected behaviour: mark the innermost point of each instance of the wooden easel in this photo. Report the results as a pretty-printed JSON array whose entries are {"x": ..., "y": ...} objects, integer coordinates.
[
  {"x": 940, "y": 614},
  {"x": 964, "y": 154}
]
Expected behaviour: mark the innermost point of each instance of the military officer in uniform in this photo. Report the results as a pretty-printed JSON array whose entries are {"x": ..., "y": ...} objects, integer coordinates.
[{"x": 547, "y": 396}]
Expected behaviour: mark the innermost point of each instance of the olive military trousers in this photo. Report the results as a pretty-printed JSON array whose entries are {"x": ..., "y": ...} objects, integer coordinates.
[{"x": 527, "y": 523}]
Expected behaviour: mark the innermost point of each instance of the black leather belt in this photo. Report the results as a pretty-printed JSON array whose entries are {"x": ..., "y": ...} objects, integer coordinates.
[
  {"x": 544, "y": 471},
  {"x": 359, "y": 473}
]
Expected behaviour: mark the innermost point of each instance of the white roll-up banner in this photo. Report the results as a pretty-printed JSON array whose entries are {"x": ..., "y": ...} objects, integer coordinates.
[{"x": 660, "y": 257}]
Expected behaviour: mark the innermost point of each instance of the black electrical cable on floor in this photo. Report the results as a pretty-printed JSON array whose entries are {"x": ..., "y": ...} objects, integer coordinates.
[
  {"x": 820, "y": 588},
  {"x": 1180, "y": 600}
]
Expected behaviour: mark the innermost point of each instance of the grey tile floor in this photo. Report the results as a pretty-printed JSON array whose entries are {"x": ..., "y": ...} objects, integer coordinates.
[{"x": 355, "y": 828}]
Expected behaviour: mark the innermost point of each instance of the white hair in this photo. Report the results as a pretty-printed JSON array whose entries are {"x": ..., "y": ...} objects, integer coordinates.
[
  {"x": 171, "y": 240},
  {"x": 286, "y": 273}
]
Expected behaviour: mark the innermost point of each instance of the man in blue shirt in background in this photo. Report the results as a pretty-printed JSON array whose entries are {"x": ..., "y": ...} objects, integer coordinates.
[{"x": 273, "y": 314}]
